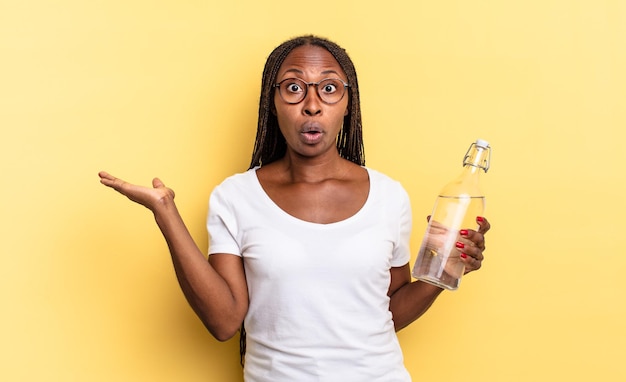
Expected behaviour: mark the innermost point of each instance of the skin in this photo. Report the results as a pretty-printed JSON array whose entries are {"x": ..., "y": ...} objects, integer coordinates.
[{"x": 311, "y": 182}]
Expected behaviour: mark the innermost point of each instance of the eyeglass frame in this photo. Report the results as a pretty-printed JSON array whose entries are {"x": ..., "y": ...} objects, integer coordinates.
[{"x": 317, "y": 89}]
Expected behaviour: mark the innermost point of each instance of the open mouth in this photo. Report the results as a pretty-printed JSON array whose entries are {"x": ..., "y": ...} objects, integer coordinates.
[{"x": 311, "y": 132}]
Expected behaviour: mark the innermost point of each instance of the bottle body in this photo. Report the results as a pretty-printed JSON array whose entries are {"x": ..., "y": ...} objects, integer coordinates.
[
  {"x": 457, "y": 206},
  {"x": 439, "y": 260}
]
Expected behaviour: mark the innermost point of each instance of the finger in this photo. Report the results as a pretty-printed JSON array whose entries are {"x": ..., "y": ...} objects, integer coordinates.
[
  {"x": 483, "y": 224},
  {"x": 436, "y": 228},
  {"x": 108, "y": 179},
  {"x": 471, "y": 256},
  {"x": 469, "y": 249},
  {"x": 474, "y": 245},
  {"x": 105, "y": 175},
  {"x": 471, "y": 263},
  {"x": 156, "y": 183},
  {"x": 473, "y": 238},
  {"x": 117, "y": 184}
]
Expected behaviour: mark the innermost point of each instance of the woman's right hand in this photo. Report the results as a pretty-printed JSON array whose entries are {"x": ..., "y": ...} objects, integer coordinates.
[{"x": 148, "y": 197}]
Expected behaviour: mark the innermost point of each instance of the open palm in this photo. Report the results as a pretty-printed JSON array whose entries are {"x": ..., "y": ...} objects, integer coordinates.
[{"x": 146, "y": 196}]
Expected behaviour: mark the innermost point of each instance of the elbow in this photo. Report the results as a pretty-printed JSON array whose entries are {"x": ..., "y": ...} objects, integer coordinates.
[
  {"x": 223, "y": 327},
  {"x": 223, "y": 332},
  {"x": 222, "y": 322},
  {"x": 397, "y": 327}
]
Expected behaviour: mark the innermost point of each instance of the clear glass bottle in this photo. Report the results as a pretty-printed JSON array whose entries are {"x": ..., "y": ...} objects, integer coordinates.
[{"x": 457, "y": 206}]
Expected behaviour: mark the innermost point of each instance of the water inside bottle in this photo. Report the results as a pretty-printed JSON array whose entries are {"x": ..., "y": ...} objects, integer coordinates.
[{"x": 439, "y": 261}]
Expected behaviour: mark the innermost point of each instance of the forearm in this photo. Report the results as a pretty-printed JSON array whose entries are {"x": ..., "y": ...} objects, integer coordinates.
[
  {"x": 206, "y": 291},
  {"x": 410, "y": 301}
]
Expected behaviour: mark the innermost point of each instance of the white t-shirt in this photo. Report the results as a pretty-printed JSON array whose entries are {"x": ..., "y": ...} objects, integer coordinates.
[{"x": 319, "y": 309}]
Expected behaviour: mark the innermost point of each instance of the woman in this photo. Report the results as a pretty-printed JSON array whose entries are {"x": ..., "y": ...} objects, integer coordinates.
[{"x": 308, "y": 248}]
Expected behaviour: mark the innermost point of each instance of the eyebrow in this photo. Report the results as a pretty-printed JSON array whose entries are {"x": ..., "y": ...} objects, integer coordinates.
[{"x": 293, "y": 70}]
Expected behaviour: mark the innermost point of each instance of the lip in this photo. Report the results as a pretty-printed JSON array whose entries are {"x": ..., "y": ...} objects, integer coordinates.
[{"x": 312, "y": 133}]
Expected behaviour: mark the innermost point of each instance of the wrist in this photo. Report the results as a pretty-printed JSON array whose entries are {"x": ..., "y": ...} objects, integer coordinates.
[
  {"x": 430, "y": 288},
  {"x": 164, "y": 207}
]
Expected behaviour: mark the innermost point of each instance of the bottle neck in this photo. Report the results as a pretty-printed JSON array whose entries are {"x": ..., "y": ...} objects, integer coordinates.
[
  {"x": 467, "y": 183},
  {"x": 469, "y": 169},
  {"x": 476, "y": 160},
  {"x": 477, "y": 157}
]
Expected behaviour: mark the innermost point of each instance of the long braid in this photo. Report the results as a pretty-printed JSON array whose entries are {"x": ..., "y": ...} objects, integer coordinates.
[{"x": 270, "y": 145}]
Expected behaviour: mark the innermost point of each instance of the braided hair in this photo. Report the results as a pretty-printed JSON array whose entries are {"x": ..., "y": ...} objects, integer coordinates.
[{"x": 270, "y": 145}]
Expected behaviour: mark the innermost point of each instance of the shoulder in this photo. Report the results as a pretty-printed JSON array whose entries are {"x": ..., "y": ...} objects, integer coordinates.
[
  {"x": 235, "y": 185},
  {"x": 389, "y": 192},
  {"x": 384, "y": 182},
  {"x": 243, "y": 179}
]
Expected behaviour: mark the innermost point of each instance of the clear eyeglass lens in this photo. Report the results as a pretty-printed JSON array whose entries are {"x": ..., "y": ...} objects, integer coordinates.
[{"x": 294, "y": 90}]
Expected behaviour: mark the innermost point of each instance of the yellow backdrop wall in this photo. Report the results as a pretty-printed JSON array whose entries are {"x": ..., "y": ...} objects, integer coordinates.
[{"x": 162, "y": 88}]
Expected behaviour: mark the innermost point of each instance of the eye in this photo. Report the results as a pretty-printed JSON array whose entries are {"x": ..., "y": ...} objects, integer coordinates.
[
  {"x": 329, "y": 87},
  {"x": 293, "y": 87}
]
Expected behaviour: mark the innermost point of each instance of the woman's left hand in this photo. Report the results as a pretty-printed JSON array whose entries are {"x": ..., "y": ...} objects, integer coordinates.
[{"x": 474, "y": 245}]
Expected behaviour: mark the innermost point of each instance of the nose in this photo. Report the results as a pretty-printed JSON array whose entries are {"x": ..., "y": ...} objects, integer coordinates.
[{"x": 312, "y": 104}]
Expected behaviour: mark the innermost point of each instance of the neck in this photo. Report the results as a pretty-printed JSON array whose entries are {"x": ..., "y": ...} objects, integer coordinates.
[{"x": 311, "y": 170}]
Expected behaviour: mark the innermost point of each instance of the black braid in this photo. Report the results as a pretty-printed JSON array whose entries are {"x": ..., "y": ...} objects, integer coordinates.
[{"x": 270, "y": 145}]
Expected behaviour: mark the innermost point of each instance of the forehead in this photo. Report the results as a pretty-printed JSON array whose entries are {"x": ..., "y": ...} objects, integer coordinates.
[{"x": 310, "y": 59}]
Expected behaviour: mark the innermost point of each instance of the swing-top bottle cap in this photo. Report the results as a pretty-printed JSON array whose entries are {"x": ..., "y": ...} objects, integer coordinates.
[{"x": 482, "y": 143}]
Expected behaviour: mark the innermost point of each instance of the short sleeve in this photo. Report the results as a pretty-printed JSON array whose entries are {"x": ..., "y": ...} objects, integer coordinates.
[
  {"x": 402, "y": 251},
  {"x": 222, "y": 224}
]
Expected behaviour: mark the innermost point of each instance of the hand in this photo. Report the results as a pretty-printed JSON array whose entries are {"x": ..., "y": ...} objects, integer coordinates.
[
  {"x": 150, "y": 198},
  {"x": 467, "y": 254},
  {"x": 474, "y": 245}
]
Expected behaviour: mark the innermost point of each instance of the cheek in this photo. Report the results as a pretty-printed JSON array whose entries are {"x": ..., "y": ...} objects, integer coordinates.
[
  {"x": 346, "y": 110},
  {"x": 283, "y": 121},
  {"x": 346, "y": 105}
]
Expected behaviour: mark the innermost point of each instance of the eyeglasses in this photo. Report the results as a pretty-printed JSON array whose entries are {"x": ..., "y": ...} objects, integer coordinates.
[{"x": 294, "y": 90}]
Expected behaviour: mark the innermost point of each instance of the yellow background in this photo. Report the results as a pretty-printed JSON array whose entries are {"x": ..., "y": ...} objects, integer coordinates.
[{"x": 170, "y": 89}]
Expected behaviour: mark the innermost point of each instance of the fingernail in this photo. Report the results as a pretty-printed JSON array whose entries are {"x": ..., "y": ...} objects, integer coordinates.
[
  {"x": 463, "y": 255},
  {"x": 464, "y": 232},
  {"x": 480, "y": 219},
  {"x": 460, "y": 245}
]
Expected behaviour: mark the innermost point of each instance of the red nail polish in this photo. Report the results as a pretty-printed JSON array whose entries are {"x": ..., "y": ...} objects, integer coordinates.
[
  {"x": 480, "y": 219},
  {"x": 463, "y": 255},
  {"x": 464, "y": 232},
  {"x": 460, "y": 245}
]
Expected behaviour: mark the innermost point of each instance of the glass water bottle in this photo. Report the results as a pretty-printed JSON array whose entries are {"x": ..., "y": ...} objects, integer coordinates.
[{"x": 457, "y": 206}]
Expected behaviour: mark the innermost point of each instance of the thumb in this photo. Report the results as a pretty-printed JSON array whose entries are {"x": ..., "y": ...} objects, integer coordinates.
[{"x": 156, "y": 183}]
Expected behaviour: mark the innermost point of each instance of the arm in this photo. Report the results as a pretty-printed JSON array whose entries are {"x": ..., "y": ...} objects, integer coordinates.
[
  {"x": 217, "y": 289},
  {"x": 409, "y": 300}
]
